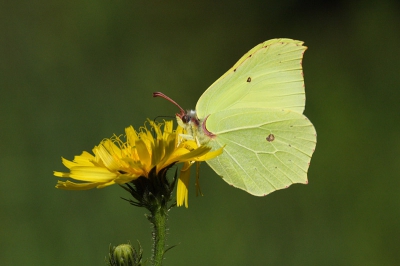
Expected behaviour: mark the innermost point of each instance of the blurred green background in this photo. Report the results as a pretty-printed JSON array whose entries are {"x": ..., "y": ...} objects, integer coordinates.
[{"x": 75, "y": 72}]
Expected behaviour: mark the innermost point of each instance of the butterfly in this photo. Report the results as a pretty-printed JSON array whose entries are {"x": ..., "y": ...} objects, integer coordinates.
[{"x": 255, "y": 112}]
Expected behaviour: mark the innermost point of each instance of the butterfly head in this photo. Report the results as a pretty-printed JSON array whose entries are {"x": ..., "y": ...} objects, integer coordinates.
[
  {"x": 189, "y": 117},
  {"x": 185, "y": 119},
  {"x": 190, "y": 122}
]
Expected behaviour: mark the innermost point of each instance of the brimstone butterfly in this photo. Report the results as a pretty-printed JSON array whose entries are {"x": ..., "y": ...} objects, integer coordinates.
[{"x": 255, "y": 111}]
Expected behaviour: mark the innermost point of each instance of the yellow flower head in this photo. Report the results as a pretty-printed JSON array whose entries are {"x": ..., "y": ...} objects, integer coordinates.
[{"x": 118, "y": 162}]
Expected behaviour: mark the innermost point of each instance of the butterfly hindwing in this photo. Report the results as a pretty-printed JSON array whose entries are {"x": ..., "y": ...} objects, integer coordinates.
[{"x": 264, "y": 149}]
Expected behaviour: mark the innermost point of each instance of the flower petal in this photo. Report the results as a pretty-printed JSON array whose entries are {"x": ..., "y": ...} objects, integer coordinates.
[
  {"x": 93, "y": 174},
  {"x": 182, "y": 191},
  {"x": 68, "y": 185},
  {"x": 192, "y": 155},
  {"x": 143, "y": 153},
  {"x": 210, "y": 155}
]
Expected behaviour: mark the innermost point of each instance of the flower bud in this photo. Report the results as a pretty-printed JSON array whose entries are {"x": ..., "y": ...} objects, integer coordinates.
[{"x": 125, "y": 255}]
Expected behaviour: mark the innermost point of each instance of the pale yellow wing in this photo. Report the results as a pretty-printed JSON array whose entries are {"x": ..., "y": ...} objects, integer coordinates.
[
  {"x": 268, "y": 76},
  {"x": 264, "y": 149}
]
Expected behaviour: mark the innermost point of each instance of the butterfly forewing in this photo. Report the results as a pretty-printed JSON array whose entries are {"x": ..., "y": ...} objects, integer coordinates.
[{"x": 268, "y": 76}]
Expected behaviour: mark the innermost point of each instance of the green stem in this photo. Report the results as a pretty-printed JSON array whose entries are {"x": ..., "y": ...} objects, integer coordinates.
[{"x": 159, "y": 220}]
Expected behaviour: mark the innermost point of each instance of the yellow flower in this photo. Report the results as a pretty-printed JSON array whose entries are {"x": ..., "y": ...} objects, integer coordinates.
[{"x": 118, "y": 162}]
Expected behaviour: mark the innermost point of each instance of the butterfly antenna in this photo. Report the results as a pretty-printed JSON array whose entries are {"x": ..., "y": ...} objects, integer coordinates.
[
  {"x": 163, "y": 116},
  {"x": 162, "y": 95},
  {"x": 156, "y": 118}
]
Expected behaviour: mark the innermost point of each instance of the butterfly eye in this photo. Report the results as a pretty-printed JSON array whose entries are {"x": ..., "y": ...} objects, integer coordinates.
[{"x": 185, "y": 119}]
